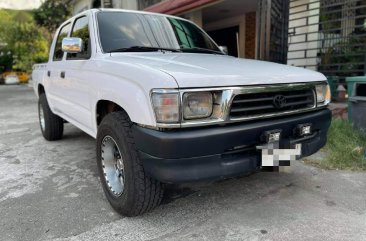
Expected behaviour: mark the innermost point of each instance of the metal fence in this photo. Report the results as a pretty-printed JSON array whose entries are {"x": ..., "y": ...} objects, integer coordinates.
[
  {"x": 328, "y": 35},
  {"x": 272, "y": 30}
]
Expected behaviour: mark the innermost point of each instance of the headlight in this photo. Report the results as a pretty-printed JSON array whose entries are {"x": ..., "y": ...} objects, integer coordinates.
[
  {"x": 197, "y": 105},
  {"x": 323, "y": 94},
  {"x": 166, "y": 106}
]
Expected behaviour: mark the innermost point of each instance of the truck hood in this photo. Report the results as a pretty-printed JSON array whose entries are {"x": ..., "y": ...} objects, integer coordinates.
[{"x": 203, "y": 70}]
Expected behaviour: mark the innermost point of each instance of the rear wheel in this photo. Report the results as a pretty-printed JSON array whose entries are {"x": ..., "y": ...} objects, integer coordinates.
[
  {"x": 127, "y": 187},
  {"x": 52, "y": 126}
]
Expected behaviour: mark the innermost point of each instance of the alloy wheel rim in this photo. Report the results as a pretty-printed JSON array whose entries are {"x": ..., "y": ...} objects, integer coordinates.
[
  {"x": 113, "y": 166},
  {"x": 41, "y": 118}
]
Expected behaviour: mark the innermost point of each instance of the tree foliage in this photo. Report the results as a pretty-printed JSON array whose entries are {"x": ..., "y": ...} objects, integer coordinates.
[
  {"x": 52, "y": 13},
  {"x": 23, "y": 43},
  {"x": 6, "y": 58},
  {"x": 26, "y": 36}
]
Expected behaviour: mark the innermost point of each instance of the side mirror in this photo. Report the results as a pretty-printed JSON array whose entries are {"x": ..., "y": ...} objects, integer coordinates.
[
  {"x": 224, "y": 49},
  {"x": 72, "y": 45}
]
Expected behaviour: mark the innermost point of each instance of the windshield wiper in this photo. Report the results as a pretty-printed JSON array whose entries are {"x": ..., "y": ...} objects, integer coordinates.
[
  {"x": 143, "y": 49},
  {"x": 201, "y": 50}
]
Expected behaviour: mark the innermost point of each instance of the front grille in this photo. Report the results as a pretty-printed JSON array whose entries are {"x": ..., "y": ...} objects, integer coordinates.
[{"x": 258, "y": 104}]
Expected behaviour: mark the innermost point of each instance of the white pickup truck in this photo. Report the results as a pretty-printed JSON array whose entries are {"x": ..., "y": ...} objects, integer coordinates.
[{"x": 167, "y": 105}]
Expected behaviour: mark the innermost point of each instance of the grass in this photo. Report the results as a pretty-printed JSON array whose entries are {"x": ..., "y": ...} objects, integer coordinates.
[{"x": 345, "y": 149}]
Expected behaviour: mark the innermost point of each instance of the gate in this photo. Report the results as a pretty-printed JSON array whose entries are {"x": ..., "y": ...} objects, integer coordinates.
[
  {"x": 272, "y": 30},
  {"x": 342, "y": 37},
  {"x": 329, "y": 36}
]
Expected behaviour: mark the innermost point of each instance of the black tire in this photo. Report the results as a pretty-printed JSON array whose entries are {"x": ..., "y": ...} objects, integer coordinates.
[
  {"x": 141, "y": 193},
  {"x": 53, "y": 125}
]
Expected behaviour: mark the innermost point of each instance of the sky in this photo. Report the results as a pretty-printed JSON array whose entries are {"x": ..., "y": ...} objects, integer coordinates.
[{"x": 20, "y": 4}]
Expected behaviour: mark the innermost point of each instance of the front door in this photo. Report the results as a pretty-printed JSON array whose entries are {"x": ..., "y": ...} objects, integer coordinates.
[{"x": 77, "y": 76}]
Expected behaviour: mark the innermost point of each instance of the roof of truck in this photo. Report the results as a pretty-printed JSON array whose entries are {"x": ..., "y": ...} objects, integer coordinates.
[{"x": 93, "y": 10}]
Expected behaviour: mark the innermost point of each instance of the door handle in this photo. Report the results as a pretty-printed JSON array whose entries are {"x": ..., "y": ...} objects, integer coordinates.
[
  {"x": 49, "y": 73},
  {"x": 62, "y": 74}
]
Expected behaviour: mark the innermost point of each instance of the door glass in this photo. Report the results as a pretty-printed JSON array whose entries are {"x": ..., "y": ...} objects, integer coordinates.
[
  {"x": 81, "y": 30},
  {"x": 58, "y": 53}
]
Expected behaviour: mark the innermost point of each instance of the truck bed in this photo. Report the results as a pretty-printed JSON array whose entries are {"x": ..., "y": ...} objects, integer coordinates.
[{"x": 38, "y": 73}]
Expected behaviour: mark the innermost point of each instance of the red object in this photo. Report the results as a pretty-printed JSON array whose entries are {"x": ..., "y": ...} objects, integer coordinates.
[{"x": 177, "y": 6}]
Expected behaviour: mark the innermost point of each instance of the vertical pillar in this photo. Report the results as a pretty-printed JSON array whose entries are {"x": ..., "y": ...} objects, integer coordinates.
[
  {"x": 262, "y": 12},
  {"x": 250, "y": 35},
  {"x": 241, "y": 37},
  {"x": 196, "y": 17},
  {"x": 129, "y": 4},
  {"x": 107, "y": 4}
]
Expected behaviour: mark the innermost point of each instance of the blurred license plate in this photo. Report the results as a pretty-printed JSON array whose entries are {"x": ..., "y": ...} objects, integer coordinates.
[{"x": 274, "y": 157}]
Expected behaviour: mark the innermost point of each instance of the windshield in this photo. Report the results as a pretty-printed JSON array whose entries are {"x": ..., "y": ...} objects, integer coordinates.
[{"x": 124, "y": 30}]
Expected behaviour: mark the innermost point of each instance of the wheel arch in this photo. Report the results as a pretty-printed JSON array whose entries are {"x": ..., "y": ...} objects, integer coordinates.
[
  {"x": 104, "y": 107},
  {"x": 133, "y": 103},
  {"x": 40, "y": 89}
]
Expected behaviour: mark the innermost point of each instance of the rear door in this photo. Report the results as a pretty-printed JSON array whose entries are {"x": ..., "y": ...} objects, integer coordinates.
[{"x": 55, "y": 86}]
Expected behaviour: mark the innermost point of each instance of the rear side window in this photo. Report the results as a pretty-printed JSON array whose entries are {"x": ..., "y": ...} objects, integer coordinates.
[
  {"x": 81, "y": 30},
  {"x": 58, "y": 53}
]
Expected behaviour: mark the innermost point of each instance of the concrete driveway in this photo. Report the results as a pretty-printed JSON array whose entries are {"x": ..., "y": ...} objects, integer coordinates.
[{"x": 50, "y": 190}]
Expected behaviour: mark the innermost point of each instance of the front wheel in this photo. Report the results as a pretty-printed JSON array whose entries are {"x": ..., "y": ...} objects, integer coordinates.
[
  {"x": 52, "y": 126},
  {"x": 127, "y": 187}
]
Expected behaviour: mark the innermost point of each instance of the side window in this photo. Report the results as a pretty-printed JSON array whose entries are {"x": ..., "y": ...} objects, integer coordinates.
[
  {"x": 81, "y": 30},
  {"x": 58, "y": 53}
]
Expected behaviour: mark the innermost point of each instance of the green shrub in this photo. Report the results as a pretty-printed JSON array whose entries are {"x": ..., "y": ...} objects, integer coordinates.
[{"x": 345, "y": 149}]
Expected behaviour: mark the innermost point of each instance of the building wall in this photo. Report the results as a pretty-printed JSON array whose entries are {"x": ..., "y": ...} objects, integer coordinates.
[
  {"x": 81, "y": 5},
  {"x": 195, "y": 16},
  {"x": 303, "y": 33},
  {"x": 142, "y": 4},
  {"x": 127, "y": 4}
]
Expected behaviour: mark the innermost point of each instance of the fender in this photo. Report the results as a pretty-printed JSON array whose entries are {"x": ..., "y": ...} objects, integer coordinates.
[{"x": 128, "y": 86}]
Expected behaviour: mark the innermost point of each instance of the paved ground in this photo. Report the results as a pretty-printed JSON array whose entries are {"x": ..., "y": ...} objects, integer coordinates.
[{"x": 50, "y": 190}]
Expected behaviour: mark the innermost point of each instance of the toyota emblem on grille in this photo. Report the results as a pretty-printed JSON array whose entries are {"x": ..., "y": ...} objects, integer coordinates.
[{"x": 279, "y": 101}]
